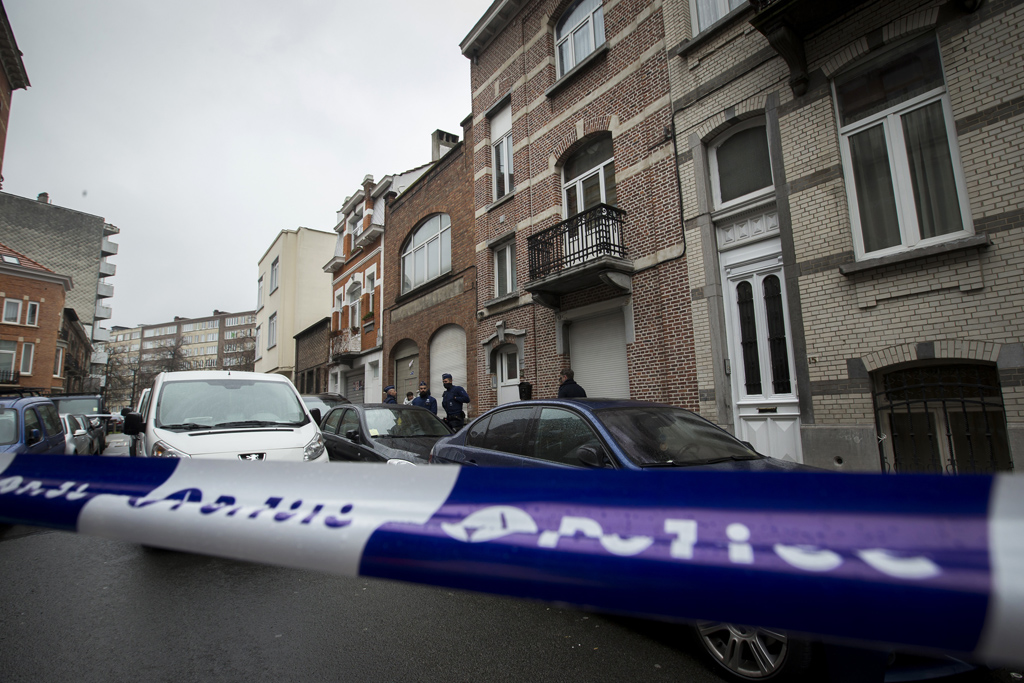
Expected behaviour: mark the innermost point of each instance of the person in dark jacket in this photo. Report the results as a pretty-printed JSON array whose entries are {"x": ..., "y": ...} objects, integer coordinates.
[
  {"x": 391, "y": 394},
  {"x": 425, "y": 400},
  {"x": 569, "y": 388},
  {"x": 453, "y": 398}
]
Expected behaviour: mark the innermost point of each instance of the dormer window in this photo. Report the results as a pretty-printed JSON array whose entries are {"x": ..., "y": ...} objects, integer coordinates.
[{"x": 578, "y": 33}]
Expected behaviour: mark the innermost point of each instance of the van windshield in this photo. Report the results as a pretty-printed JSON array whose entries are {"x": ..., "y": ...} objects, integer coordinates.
[{"x": 207, "y": 404}]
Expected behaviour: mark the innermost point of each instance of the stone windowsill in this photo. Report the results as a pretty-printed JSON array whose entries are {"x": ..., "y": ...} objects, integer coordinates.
[{"x": 972, "y": 242}]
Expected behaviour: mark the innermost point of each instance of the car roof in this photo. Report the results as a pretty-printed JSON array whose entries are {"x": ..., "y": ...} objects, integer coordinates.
[
  {"x": 592, "y": 404},
  {"x": 185, "y": 375}
]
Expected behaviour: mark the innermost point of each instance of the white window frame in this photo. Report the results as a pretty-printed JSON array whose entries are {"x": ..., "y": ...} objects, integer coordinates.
[
  {"x": 32, "y": 314},
  {"x": 506, "y": 252},
  {"x": 410, "y": 250},
  {"x": 272, "y": 331},
  {"x": 371, "y": 284},
  {"x": 354, "y": 295},
  {"x": 259, "y": 293},
  {"x": 58, "y": 362},
  {"x": 501, "y": 145},
  {"x": 906, "y": 210},
  {"x": 275, "y": 268},
  {"x": 565, "y": 35},
  {"x": 722, "y": 6},
  {"x": 12, "y": 354},
  {"x": 17, "y": 316},
  {"x": 259, "y": 349},
  {"x": 28, "y": 355},
  {"x": 716, "y": 183},
  {"x": 577, "y": 183}
]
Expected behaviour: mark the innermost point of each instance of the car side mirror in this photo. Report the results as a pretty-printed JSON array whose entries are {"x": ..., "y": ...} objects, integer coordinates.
[
  {"x": 352, "y": 435},
  {"x": 133, "y": 424},
  {"x": 315, "y": 412},
  {"x": 591, "y": 455},
  {"x": 79, "y": 432},
  {"x": 33, "y": 437}
]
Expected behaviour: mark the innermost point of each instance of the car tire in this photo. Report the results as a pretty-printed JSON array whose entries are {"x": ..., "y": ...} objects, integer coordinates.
[{"x": 748, "y": 653}]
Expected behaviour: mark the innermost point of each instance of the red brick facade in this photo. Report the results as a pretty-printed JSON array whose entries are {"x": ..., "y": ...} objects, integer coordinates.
[
  {"x": 621, "y": 90},
  {"x": 449, "y": 299}
]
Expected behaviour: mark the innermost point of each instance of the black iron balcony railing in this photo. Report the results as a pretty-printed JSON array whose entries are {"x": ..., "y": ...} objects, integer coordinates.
[
  {"x": 9, "y": 376},
  {"x": 591, "y": 234}
]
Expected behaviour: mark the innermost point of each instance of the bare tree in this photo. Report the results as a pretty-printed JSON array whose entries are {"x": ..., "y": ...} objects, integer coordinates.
[
  {"x": 168, "y": 357},
  {"x": 240, "y": 352},
  {"x": 122, "y": 385}
]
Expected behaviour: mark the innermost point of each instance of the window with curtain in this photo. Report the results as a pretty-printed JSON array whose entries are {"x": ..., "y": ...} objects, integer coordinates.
[
  {"x": 501, "y": 146},
  {"x": 707, "y": 12},
  {"x": 899, "y": 146},
  {"x": 428, "y": 252},
  {"x": 578, "y": 33}
]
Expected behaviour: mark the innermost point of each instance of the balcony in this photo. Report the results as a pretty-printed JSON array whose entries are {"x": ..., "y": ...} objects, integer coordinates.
[
  {"x": 103, "y": 312},
  {"x": 345, "y": 346},
  {"x": 9, "y": 376},
  {"x": 104, "y": 291},
  {"x": 100, "y": 357},
  {"x": 108, "y": 248},
  {"x": 367, "y": 236},
  {"x": 107, "y": 269},
  {"x": 580, "y": 252},
  {"x": 100, "y": 334}
]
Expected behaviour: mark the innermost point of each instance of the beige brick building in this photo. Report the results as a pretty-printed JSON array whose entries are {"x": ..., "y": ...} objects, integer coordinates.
[{"x": 851, "y": 177}]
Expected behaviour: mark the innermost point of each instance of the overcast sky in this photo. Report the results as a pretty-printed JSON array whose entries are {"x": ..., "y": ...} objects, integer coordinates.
[{"x": 203, "y": 128}]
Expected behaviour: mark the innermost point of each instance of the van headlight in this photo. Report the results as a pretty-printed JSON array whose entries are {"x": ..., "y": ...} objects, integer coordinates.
[
  {"x": 165, "y": 450},
  {"x": 399, "y": 461},
  {"x": 315, "y": 448}
]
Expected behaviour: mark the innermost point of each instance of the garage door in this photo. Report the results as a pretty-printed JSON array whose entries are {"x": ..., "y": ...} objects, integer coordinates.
[
  {"x": 354, "y": 386},
  {"x": 448, "y": 354},
  {"x": 597, "y": 350}
]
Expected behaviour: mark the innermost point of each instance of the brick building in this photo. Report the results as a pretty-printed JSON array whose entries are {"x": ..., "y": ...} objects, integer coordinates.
[
  {"x": 32, "y": 297},
  {"x": 71, "y": 365},
  {"x": 312, "y": 357},
  {"x": 852, "y": 182},
  {"x": 580, "y": 251},
  {"x": 430, "y": 283},
  {"x": 69, "y": 242},
  {"x": 356, "y": 271},
  {"x": 12, "y": 77}
]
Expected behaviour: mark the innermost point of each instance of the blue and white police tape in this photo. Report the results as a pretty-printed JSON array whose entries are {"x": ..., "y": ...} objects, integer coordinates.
[{"x": 919, "y": 562}]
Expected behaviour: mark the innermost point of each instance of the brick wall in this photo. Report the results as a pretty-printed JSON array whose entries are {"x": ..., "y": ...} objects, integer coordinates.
[
  {"x": 951, "y": 299},
  {"x": 43, "y": 336},
  {"x": 450, "y": 299},
  {"x": 622, "y": 92}
]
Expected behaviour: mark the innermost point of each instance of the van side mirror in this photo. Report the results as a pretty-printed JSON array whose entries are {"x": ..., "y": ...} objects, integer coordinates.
[
  {"x": 133, "y": 424},
  {"x": 315, "y": 412},
  {"x": 34, "y": 436},
  {"x": 125, "y": 411}
]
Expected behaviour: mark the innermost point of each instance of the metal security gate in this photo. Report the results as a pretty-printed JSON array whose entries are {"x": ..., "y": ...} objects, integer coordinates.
[{"x": 942, "y": 418}]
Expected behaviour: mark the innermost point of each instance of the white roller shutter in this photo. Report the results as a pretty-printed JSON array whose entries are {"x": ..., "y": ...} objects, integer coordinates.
[
  {"x": 354, "y": 387},
  {"x": 597, "y": 350},
  {"x": 448, "y": 354}
]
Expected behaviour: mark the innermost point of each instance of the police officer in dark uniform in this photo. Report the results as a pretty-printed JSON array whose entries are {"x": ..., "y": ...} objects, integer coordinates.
[{"x": 452, "y": 400}]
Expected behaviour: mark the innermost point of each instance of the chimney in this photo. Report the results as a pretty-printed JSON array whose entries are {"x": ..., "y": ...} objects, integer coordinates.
[
  {"x": 440, "y": 143},
  {"x": 44, "y": 197}
]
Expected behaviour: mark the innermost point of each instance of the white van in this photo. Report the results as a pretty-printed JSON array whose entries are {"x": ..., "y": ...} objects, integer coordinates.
[{"x": 227, "y": 415}]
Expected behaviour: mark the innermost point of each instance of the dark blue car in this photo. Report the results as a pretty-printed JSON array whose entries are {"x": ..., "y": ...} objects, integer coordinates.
[
  {"x": 30, "y": 424},
  {"x": 632, "y": 435},
  {"x": 637, "y": 435}
]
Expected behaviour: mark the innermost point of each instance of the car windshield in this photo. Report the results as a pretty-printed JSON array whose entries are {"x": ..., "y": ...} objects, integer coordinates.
[
  {"x": 8, "y": 426},
  {"x": 390, "y": 422},
  {"x": 204, "y": 404},
  {"x": 666, "y": 436},
  {"x": 86, "y": 406}
]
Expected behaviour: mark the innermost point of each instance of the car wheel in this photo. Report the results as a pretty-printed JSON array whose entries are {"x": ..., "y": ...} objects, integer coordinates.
[{"x": 750, "y": 653}]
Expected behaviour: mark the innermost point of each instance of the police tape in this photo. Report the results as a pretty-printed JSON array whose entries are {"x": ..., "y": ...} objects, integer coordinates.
[{"x": 919, "y": 562}]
